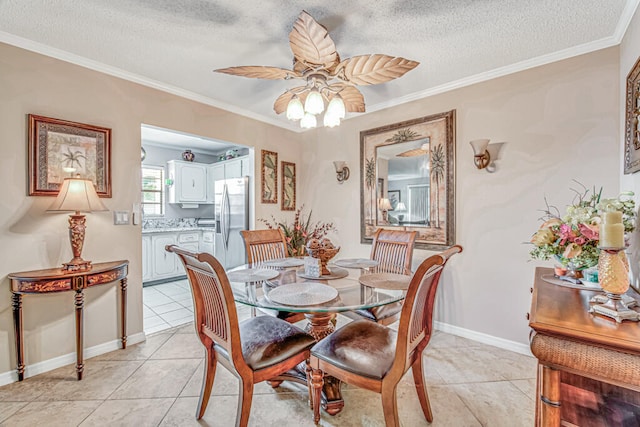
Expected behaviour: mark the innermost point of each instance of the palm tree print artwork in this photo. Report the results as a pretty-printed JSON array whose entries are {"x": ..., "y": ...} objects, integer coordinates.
[
  {"x": 416, "y": 160},
  {"x": 288, "y": 202},
  {"x": 269, "y": 177}
]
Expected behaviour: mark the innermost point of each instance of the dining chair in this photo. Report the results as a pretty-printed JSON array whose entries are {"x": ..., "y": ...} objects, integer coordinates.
[
  {"x": 257, "y": 349},
  {"x": 265, "y": 245},
  {"x": 393, "y": 249},
  {"x": 376, "y": 357}
]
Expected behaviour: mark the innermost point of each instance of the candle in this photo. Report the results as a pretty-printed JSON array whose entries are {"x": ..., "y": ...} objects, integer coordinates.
[{"x": 612, "y": 231}]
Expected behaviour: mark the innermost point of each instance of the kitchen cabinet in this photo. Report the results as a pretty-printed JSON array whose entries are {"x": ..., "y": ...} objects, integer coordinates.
[
  {"x": 189, "y": 183},
  {"x": 234, "y": 168},
  {"x": 147, "y": 267},
  {"x": 164, "y": 263},
  {"x": 157, "y": 263}
]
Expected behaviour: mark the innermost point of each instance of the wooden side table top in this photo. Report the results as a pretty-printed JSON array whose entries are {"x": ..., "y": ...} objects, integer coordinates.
[{"x": 564, "y": 312}]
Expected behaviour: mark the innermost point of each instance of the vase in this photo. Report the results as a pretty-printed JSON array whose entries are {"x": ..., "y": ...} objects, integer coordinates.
[{"x": 188, "y": 156}]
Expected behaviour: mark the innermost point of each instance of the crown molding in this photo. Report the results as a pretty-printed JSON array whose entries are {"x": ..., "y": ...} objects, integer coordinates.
[{"x": 625, "y": 19}]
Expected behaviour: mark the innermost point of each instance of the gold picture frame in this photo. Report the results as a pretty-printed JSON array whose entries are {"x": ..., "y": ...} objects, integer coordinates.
[
  {"x": 632, "y": 121},
  {"x": 427, "y": 146},
  {"x": 288, "y": 199},
  {"x": 61, "y": 149},
  {"x": 269, "y": 172}
]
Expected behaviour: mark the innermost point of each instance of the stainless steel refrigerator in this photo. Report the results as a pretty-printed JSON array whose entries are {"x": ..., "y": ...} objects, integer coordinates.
[{"x": 232, "y": 216}]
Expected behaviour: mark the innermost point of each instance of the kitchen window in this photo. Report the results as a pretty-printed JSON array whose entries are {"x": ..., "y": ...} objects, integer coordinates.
[{"x": 152, "y": 191}]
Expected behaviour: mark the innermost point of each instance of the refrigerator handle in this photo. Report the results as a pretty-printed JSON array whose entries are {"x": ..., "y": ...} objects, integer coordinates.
[{"x": 226, "y": 207}]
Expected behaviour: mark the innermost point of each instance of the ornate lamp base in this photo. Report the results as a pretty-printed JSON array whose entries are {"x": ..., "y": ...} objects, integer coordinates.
[
  {"x": 627, "y": 301},
  {"x": 615, "y": 308}
]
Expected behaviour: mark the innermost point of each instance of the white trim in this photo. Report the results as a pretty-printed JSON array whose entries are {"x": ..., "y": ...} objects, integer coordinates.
[
  {"x": 516, "y": 347},
  {"x": 68, "y": 359},
  {"x": 625, "y": 19}
]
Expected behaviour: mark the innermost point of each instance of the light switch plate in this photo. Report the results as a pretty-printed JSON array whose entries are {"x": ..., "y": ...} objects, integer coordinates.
[{"x": 120, "y": 217}]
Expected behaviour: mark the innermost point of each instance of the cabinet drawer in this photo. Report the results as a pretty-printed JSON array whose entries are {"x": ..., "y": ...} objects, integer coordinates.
[{"x": 188, "y": 237}]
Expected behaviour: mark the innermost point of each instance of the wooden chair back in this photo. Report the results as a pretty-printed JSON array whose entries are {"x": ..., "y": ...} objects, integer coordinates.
[
  {"x": 393, "y": 250},
  {"x": 263, "y": 245},
  {"x": 216, "y": 317},
  {"x": 416, "y": 318}
]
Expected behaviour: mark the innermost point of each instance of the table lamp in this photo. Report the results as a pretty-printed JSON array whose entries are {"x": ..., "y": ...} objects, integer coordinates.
[
  {"x": 77, "y": 195},
  {"x": 400, "y": 207},
  {"x": 384, "y": 205}
]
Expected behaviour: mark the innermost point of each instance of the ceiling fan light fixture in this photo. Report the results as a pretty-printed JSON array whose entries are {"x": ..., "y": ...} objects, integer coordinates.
[
  {"x": 314, "y": 103},
  {"x": 295, "y": 109},
  {"x": 336, "y": 107},
  {"x": 309, "y": 121},
  {"x": 331, "y": 120}
]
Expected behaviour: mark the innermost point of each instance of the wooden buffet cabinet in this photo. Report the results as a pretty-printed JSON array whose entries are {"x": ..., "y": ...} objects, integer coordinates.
[{"x": 588, "y": 365}]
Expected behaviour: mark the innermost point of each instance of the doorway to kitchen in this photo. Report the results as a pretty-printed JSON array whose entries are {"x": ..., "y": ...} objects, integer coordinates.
[{"x": 180, "y": 173}]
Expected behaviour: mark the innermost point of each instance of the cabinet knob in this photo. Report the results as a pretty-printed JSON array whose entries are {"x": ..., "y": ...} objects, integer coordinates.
[
  {"x": 527, "y": 316},
  {"x": 530, "y": 290}
]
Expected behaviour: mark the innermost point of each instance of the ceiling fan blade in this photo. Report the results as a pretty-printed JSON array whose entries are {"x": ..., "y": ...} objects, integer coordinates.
[
  {"x": 373, "y": 69},
  {"x": 311, "y": 44},
  {"x": 260, "y": 72},
  {"x": 280, "y": 106},
  {"x": 413, "y": 153},
  {"x": 353, "y": 99}
]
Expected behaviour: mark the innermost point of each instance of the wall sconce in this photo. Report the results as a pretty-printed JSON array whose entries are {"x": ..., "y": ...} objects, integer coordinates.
[
  {"x": 485, "y": 154},
  {"x": 342, "y": 171}
]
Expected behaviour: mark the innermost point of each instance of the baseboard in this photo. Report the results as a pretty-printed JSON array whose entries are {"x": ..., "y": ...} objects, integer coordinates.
[
  {"x": 68, "y": 359},
  {"x": 484, "y": 338}
]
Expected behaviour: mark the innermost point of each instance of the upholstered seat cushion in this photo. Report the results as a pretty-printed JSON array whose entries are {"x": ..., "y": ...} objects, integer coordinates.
[
  {"x": 268, "y": 340},
  {"x": 382, "y": 312},
  {"x": 362, "y": 347}
]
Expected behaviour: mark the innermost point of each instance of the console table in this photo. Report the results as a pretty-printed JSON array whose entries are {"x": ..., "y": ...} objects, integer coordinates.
[
  {"x": 59, "y": 280},
  {"x": 588, "y": 365}
]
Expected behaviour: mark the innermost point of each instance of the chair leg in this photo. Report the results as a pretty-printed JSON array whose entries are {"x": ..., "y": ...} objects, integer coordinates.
[
  {"x": 390, "y": 406},
  {"x": 317, "y": 382},
  {"x": 421, "y": 388},
  {"x": 207, "y": 382},
  {"x": 309, "y": 388},
  {"x": 244, "y": 403}
]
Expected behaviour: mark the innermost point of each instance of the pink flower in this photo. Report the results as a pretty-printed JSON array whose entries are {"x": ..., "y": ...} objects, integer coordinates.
[
  {"x": 580, "y": 240},
  {"x": 590, "y": 231},
  {"x": 566, "y": 234}
]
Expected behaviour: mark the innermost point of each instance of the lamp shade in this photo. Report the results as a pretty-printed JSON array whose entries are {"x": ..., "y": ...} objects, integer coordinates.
[
  {"x": 331, "y": 120},
  {"x": 339, "y": 164},
  {"x": 314, "y": 104},
  {"x": 77, "y": 194},
  {"x": 336, "y": 107},
  {"x": 295, "y": 110},
  {"x": 384, "y": 204},
  {"x": 400, "y": 207},
  {"x": 309, "y": 121},
  {"x": 479, "y": 146}
]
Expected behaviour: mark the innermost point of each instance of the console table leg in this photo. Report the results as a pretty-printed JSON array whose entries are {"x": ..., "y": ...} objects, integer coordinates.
[
  {"x": 123, "y": 311},
  {"x": 79, "y": 302},
  {"x": 550, "y": 397},
  {"x": 16, "y": 300}
]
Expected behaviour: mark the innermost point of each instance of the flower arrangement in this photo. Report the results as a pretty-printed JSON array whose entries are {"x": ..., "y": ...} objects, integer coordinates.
[
  {"x": 573, "y": 239},
  {"x": 300, "y": 232}
]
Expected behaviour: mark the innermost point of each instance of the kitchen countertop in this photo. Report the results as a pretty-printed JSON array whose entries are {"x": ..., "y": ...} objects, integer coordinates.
[{"x": 175, "y": 229}]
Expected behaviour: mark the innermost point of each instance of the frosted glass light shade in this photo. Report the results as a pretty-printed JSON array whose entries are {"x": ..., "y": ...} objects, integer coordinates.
[
  {"x": 77, "y": 194},
  {"x": 314, "y": 103},
  {"x": 295, "y": 110},
  {"x": 336, "y": 107},
  {"x": 309, "y": 121},
  {"x": 330, "y": 120},
  {"x": 479, "y": 146}
]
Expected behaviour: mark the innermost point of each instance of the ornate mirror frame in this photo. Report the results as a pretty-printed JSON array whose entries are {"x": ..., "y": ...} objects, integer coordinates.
[
  {"x": 437, "y": 131},
  {"x": 632, "y": 121}
]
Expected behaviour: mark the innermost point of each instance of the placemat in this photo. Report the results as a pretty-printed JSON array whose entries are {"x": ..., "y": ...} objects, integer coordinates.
[
  {"x": 302, "y": 294},
  {"x": 356, "y": 263},
  {"x": 336, "y": 273},
  {"x": 385, "y": 280},
  {"x": 252, "y": 275},
  {"x": 589, "y": 286},
  {"x": 284, "y": 262}
]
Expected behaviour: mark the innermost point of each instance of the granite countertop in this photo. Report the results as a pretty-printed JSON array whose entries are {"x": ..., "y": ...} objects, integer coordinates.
[{"x": 175, "y": 229}]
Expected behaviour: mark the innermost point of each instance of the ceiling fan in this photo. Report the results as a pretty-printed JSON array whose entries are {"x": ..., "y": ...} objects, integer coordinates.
[{"x": 326, "y": 77}]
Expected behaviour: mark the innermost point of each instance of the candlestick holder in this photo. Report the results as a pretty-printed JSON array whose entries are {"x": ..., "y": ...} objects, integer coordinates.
[{"x": 613, "y": 272}]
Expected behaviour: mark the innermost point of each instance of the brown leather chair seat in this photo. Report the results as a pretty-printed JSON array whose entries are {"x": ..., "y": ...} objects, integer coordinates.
[
  {"x": 362, "y": 347},
  {"x": 380, "y": 314},
  {"x": 267, "y": 341}
]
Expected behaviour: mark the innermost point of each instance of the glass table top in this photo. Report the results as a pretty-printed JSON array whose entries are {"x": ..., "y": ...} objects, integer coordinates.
[{"x": 346, "y": 293}]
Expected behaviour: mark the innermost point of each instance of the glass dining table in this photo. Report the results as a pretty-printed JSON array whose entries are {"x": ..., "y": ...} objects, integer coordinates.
[{"x": 282, "y": 285}]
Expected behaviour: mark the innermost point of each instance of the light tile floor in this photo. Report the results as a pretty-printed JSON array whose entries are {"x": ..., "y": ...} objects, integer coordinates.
[
  {"x": 157, "y": 383},
  {"x": 167, "y": 305}
]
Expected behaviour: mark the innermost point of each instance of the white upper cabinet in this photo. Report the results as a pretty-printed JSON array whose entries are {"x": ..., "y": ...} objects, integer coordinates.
[
  {"x": 189, "y": 182},
  {"x": 234, "y": 168}
]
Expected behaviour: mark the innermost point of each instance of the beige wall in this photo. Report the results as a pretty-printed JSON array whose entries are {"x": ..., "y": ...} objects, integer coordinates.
[
  {"x": 33, "y": 239},
  {"x": 629, "y": 54},
  {"x": 559, "y": 121}
]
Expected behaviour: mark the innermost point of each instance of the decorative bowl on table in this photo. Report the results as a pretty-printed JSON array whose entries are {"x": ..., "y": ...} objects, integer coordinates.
[{"x": 322, "y": 250}]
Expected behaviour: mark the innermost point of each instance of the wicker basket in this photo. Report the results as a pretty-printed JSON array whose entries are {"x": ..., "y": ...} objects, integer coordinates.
[{"x": 324, "y": 255}]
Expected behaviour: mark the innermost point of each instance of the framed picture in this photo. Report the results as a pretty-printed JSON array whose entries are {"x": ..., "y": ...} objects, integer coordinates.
[
  {"x": 380, "y": 188},
  {"x": 394, "y": 198},
  {"x": 269, "y": 177},
  {"x": 417, "y": 159},
  {"x": 632, "y": 121},
  {"x": 61, "y": 149},
  {"x": 288, "y": 199}
]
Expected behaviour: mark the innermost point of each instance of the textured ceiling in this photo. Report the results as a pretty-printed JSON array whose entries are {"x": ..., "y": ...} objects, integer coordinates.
[{"x": 175, "y": 44}]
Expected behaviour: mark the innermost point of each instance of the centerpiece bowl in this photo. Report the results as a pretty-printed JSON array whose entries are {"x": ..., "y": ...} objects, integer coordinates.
[{"x": 324, "y": 251}]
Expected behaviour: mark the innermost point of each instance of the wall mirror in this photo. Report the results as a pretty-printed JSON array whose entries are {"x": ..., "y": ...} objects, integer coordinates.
[{"x": 407, "y": 173}]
